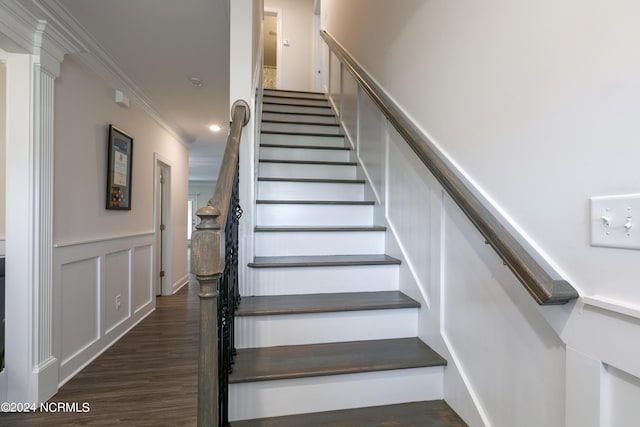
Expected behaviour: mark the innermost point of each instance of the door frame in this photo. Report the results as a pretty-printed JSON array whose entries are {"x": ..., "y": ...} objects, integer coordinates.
[{"x": 163, "y": 254}]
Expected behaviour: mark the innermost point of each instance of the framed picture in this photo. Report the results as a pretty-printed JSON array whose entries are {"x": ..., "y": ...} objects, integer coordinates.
[{"x": 119, "y": 169}]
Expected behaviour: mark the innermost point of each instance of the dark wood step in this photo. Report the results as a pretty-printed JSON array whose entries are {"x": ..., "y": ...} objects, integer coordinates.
[
  {"x": 284, "y": 122},
  {"x": 324, "y": 303},
  {"x": 313, "y": 180},
  {"x": 305, "y": 147},
  {"x": 308, "y": 162},
  {"x": 287, "y": 93},
  {"x": 313, "y": 360},
  {"x": 322, "y": 261},
  {"x": 434, "y": 413},
  {"x": 325, "y": 135},
  {"x": 316, "y": 202},
  {"x": 293, "y": 104},
  {"x": 264, "y": 229},
  {"x": 297, "y": 113}
]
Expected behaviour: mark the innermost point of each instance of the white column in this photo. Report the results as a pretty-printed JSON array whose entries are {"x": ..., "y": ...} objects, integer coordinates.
[{"x": 32, "y": 368}]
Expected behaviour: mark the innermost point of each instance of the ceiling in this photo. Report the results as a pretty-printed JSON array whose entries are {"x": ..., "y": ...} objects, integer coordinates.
[{"x": 159, "y": 45}]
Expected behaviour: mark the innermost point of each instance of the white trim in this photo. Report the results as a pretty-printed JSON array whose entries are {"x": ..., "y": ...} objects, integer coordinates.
[
  {"x": 167, "y": 248},
  {"x": 180, "y": 283},
  {"x": 18, "y": 25},
  {"x": 610, "y": 304},
  {"x": 102, "y": 239}
]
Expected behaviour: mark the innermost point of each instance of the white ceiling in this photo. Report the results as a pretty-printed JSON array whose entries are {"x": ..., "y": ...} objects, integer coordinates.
[{"x": 159, "y": 45}]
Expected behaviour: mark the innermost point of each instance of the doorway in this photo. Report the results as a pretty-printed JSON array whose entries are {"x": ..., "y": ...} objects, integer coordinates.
[
  {"x": 271, "y": 44},
  {"x": 192, "y": 208},
  {"x": 163, "y": 228}
]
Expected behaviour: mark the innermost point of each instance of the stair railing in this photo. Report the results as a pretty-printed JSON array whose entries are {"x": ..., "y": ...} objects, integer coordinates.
[
  {"x": 535, "y": 277},
  {"x": 214, "y": 261}
]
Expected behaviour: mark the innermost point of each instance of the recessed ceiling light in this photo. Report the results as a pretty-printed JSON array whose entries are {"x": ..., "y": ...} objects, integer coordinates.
[
  {"x": 195, "y": 81},
  {"x": 215, "y": 128}
]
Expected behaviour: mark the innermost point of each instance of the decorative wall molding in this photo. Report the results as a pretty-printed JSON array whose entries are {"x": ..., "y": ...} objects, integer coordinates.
[
  {"x": 102, "y": 239},
  {"x": 610, "y": 304},
  {"x": 18, "y": 25}
]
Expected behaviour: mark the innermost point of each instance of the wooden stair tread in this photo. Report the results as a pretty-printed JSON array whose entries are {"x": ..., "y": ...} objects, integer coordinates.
[
  {"x": 312, "y": 360},
  {"x": 296, "y": 113},
  {"x": 316, "y": 202},
  {"x": 324, "y": 303},
  {"x": 434, "y": 413},
  {"x": 289, "y": 122},
  {"x": 316, "y": 180},
  {"x": 263, "y": 229},
  {"x": 325, "y": 135},
  {"x": 305, "y": 147},
  {"x": 308, "y": 162},
  {"x": 322, "y": 261},
  {"x": 270, "y": 91},
  {"x": 293, "y": 104}
]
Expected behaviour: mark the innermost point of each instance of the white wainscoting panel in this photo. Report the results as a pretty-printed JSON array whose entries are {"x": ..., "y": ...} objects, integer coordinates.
[
  {"x": 372, "y": 144},
  {"x": 142, "y": 274},
  {"x": 80, "y": 299},
  {"x": 349, "y": 116},
  {"x": 117, "y": 285},
  {"x": 513, "y": 359},
  {"x": 409, "y": 208},
  {"x": 621, "y": 398},
  {"x": 87, "y": 277},
  {"x": 335, "y": 85}
]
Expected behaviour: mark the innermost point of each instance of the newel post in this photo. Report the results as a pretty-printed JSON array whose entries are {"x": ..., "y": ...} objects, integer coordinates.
[{"x": 206, "y": 265}]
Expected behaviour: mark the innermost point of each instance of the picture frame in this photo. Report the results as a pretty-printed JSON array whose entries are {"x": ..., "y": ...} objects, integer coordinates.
[{"x": 119, "y": 169}]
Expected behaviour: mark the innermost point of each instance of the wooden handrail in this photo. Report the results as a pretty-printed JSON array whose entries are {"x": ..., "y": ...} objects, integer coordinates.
[
  {"x": 208, "y": 264},
  {"x": 536, "y": 279}
]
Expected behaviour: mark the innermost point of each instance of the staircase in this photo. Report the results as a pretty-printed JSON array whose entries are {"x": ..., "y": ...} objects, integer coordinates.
[{"x": 324, "y": 336}]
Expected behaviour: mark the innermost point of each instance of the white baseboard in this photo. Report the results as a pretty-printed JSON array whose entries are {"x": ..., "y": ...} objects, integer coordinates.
[{"x": 179, "y": 284}]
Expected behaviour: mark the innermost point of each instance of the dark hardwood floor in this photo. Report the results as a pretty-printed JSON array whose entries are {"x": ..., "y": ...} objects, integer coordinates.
[{"x": 148, "y": 378}]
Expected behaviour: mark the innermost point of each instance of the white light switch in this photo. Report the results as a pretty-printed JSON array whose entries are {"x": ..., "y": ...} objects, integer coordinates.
[{"x": 615, "y": 221}]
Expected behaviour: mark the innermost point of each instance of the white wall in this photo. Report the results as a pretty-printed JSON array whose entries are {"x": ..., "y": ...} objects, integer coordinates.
[
  {"x": 3, "y": 117},
  {"x": 514, "y": 112},
  {"x": 101, "y": 255},
  {"x": 203, "y": 190},
  {"x": 542, "y": 106},
  {"x": 297, "y": 58}
]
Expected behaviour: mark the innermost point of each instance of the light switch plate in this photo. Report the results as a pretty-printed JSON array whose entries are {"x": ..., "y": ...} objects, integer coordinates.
[{"x": 615, "y": 221}]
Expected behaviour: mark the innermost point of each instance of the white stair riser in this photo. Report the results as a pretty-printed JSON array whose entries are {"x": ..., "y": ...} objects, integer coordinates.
[
  {"x": 302, "y": 140},
  {"x": 298, "y": 329},
  {"x": 315, "y": 280},
  {"x": 302, "y": 170},
  {"x": 280, "y": 108},
  {"x": 303, "y": 395},
  {"x": 296, "y": 102},
  {"x": 308, "y": 95},
  {"x": 284, "y": 139},
  {"x": 309, "y": 118},
  {"x": 289, "y": 243},
  {"x": 287, "y": 153},
  {"x": 291, "y": 190},
  {"x": 314, "y": 215},
  {"x": 300, "y": 127}
]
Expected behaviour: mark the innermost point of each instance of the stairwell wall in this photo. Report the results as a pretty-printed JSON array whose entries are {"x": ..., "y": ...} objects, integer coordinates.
[{"x": 490, "y": 90}]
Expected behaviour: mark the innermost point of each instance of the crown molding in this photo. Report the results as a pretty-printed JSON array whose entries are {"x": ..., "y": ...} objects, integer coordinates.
[
  {"x": 17, "y": 27},
  {"x": 95, "y": 57}
]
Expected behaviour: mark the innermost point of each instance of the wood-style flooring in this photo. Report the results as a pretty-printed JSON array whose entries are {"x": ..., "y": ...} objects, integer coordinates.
[{"x": 148, "y": 378}]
